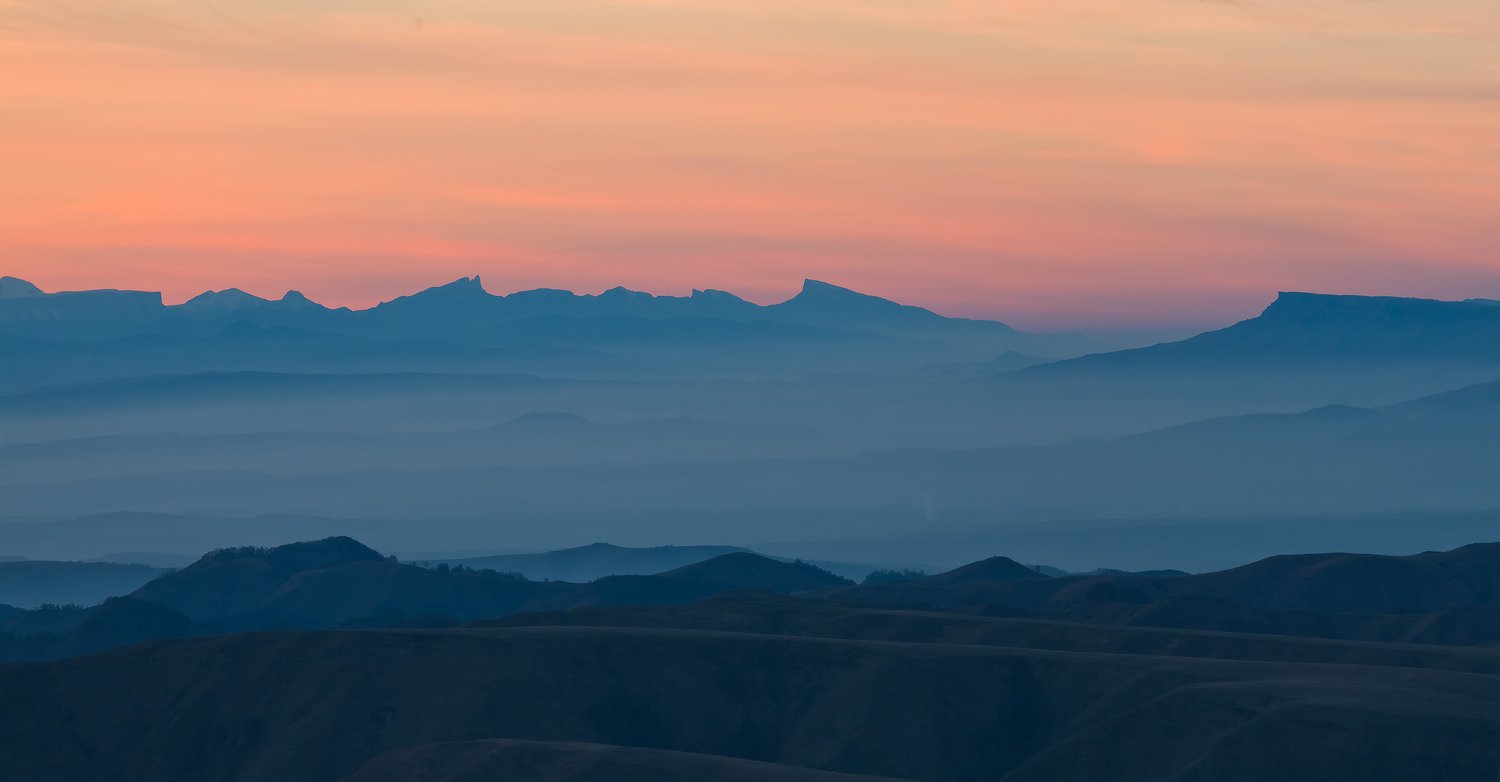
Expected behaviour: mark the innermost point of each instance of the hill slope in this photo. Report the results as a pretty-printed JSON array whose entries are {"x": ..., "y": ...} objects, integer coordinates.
[
  {"x": 321, "y": 704},
  {"x": 561, "y": 761}
]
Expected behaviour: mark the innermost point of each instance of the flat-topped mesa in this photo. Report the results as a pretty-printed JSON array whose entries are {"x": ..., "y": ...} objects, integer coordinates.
[
  {"x": 1316, "y": 330},
  {"x": 19, "y": 292},
  {"x": 1301, "y": 305}
]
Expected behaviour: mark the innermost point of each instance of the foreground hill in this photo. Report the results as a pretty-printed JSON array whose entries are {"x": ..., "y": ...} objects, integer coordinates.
[
  {"x": 566, "y": 761},
  {"x": 745, "y": 668},
  {"x": 321, "y": 705},
  {"x": 67, "y": 631},
  {"x": 335, "y": 581},
  {"x": 1447, "y": 598},
  {"x": 339, "y": 582}
]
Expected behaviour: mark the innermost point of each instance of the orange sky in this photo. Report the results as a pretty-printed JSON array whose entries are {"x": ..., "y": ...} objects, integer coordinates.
[{"x": 1053, "y": 163}]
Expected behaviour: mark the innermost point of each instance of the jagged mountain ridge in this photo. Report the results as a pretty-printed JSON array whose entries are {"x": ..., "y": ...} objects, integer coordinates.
[
  {"x": 65, "y": 338},
  {"x": 466, "y": 300}
]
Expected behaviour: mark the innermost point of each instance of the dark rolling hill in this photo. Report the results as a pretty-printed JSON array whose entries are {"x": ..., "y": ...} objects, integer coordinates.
[
  {"x": 321, "y": 705},
  {"x": 185, "y": 535},
  {"x": 596, "y": 560},
  {"x": 1449, "y": 598},
  {"x": 1360, "y": 582},
  {"x": 332, "y": 582},
  {"x": 338, "y": 581},
  {"x": 567, "y": 761},
  {"x": 735, "y": 572},
  {"x": 743, "y": 667},
  {"x": 1192, "y": 627},
  {"x": 67, "y": 631},
  {"x": 745, "y": 570},
  {"x": 992, "y": 569},
  {"x": 1331, "y": 583}
]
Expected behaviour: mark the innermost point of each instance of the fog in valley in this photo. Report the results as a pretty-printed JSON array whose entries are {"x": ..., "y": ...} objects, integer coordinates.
[{"x": 836, "y": 426}]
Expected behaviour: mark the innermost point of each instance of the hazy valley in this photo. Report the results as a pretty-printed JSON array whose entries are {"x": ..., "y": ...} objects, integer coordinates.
[{"x": 546, "y": 536}]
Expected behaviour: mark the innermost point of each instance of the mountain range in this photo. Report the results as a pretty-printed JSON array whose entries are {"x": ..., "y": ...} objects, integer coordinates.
[
  {"x": 835, "y": 426},
  {"x": 461, "y": 326},
  {"x": 339, "y": 582}
]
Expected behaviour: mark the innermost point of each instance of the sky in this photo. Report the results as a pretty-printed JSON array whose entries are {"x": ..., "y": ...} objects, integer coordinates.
[{"x": 1051, "y": 163}]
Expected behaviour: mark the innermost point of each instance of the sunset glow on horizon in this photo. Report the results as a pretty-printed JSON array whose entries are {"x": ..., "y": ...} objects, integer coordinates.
[{"x": 1063, "y": 164}]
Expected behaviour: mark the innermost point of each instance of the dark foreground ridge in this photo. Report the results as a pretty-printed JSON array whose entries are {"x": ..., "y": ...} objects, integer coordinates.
[
  {"x": 740, "y": 667},
  {"x": 568, "y": 761}
]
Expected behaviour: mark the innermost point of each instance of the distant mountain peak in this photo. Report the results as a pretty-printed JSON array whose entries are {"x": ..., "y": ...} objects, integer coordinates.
[
  {"x": 620, "y": 291},
  {"x": 992, "y": 569},
  {"x": 17, "y": 288},
  {"x": 462, "y": 285},
  {"x": 713, "y": 294},
  {"x": 818, "y": 288},
  {"x": 823, "y": 303},
  {"x": 463, "y": 289},
  {"x": 298, "y": 299},
  {"x": 749, "y": 570},
  {"x": 834, "y": 299},
  {"x": 307, "y": 555},
  {"x": 227, "y": 299}
]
